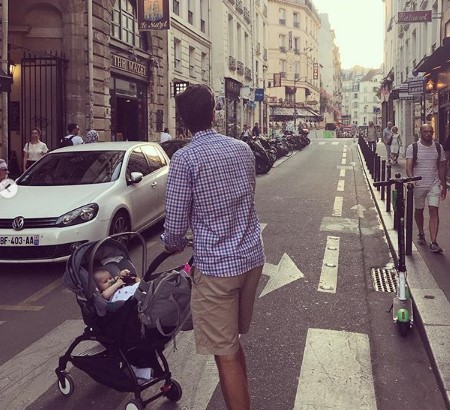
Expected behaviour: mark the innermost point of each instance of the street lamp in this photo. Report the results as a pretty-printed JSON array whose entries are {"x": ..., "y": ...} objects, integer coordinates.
[{"x": 296, "y": 80}]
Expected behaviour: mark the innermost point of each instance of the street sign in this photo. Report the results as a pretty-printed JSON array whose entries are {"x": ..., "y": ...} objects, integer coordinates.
[
  {"x": 422, "y": 16},
  {"x": 315, "y": 71},
  {"x": 416, "y": 86}
]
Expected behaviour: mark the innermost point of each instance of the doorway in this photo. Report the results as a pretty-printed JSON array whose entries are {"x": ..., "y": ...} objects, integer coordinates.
[{"x": 127, "y": 119}]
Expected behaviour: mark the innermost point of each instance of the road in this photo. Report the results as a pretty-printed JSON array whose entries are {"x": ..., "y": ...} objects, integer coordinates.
[{"x": 321, "y": 338}]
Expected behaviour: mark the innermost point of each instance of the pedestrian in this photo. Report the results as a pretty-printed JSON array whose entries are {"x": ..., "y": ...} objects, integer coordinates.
[
  {"x": 396, "y": 145},
  {"x": 72, "y": 138},
  {"x": 372, "y": 137},
  {"x": 165, "y": 136},
  {"x": 255, "y": 130},
  {"x": 210, "y": 189},
  {"x": 246, "y": 132},
  {"x": 429, "y": 163},
  {"x": 386, "y": 137},
  {"x": 181, "y": 135},
  {"x": 33, "y": 150},
  {"x": 447, "y": 155},
  {"x": 91, "y": 136},
  {"x": 3, "y": 169}
]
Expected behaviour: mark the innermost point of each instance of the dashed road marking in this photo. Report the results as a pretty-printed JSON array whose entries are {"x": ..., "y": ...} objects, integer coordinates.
[
  {"x": 342, "y": 173},
  {"x": 341, "y": 185},
  {"x": 337, "y": 208},
  {"x": 330, "y": 266}
]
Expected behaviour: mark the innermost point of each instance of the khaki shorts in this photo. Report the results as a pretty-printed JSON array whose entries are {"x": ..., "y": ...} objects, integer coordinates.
[
  {"x": 222, "y": 309},
  {"x": 432, "y": 195}
]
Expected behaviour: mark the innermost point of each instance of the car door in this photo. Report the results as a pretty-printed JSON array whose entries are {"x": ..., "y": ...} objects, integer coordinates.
[
  {"x": 144, "y": 194},
  {"x": 158, "y": 170}
]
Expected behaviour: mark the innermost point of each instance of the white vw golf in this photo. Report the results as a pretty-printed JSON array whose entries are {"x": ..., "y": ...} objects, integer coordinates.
[{"x": 82, "y": 193}]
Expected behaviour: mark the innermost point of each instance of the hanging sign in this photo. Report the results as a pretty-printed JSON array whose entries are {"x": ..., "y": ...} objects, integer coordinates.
[
  {"x": 153, "y": 15},
  {"x": 423, "y": 16}
]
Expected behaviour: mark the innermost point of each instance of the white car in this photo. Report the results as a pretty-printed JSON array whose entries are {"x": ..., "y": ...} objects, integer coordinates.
[{"x": 82, "y": 193}]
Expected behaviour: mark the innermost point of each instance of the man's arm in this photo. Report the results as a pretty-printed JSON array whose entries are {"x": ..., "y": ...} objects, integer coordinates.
[{"x": 409, "y": 167}]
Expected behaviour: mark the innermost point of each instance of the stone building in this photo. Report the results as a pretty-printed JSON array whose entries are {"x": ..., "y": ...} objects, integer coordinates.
[{"x": 81, "y": 61}]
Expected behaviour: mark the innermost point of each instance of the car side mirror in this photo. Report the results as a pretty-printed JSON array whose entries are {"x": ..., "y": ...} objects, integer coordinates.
[{"x": 136, "y": 177}]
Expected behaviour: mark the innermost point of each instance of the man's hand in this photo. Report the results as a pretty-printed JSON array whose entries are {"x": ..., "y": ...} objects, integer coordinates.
[{"x": 443, "y": 192}]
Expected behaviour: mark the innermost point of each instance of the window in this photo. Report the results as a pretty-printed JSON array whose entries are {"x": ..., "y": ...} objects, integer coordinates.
[
  {"x": 282, "y": 16},
  {"x": 290, "y": 94},
  {"x": 296, "y": 20},
  {"x": 177, "y": 54},
  {"x": 190, "y": 12},
  {"x": 137, "y": 163},
  {"x": 176, "y": 7},
  {"x": 124, "y": 25},
  {"x": 192, "y": 61},
  {"x": 205, "y": 67},
  {"x": 153, "y": 158},
  {"x": 282, "y": 42},
  {"x": 230, "y": 35}
]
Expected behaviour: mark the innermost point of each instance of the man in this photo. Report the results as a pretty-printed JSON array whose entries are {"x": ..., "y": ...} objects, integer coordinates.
[
  {"x": 372, "y": 137},
  {"x": 210, "y": 189},
  {"x": 430, "y": 165},
  {"x": 386, "y": 137},
  {"x": 255, "y": 130},
  {"x": 165, "y": 136},
  {"x": 246, "y": 131},
  {"x": 73, "y": 136},
  {"x": 447, "y": 155}
]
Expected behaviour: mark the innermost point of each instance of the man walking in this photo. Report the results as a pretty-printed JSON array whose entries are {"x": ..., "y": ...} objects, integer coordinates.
[
  {"x": 386, "y": 137},
  {"x": 165, "y": 136},
  {"x": 211, "y": 189},
  {"x": 426, "y": 159},
  {"x": 72, "y": 138}
]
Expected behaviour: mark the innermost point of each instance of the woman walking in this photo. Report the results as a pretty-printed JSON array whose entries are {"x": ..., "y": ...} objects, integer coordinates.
[
  {"x": 395, "y": 145},
  {"x": 33, "y": 150}
]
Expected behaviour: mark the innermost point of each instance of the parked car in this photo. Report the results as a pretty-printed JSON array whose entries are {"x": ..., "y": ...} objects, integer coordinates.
[
  {"x": 172, "y": 146},
  {"x": 82, "y": 193}
]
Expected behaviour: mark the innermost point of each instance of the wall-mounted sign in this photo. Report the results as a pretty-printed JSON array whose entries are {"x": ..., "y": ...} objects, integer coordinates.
[
  {"x": 277, "y": 79},
  {"x": 259, "y": 94},
  {"x": 153, "y": 15},
  {"x": 422, "y": 16},
  {"x": 416, "y": 86},
  {"x": 129, "y": 66},
  {"x": 315, "y": 71}
]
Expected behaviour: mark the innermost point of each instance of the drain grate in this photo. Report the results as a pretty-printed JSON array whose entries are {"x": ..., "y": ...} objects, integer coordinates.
[{"x": 384, "y": 280}]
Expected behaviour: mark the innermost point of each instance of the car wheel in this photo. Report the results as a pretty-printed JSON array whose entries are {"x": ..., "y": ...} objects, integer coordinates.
[{"x": 120, "y": 223}]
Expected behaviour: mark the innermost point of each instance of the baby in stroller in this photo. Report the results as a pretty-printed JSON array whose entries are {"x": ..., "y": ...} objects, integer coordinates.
[{"x": 128, "y": 351}]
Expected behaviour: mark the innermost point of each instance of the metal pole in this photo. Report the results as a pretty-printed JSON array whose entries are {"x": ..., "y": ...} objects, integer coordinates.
[
  {"x": 409, "y": 219},
  {"x": 5, "y": 29},
  {"x": 388, "y": 188},
  {"x": 383, "y": 178}
]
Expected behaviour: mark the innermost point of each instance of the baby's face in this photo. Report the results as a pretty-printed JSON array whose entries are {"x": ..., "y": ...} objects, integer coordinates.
[{"x": 103, "y": 279}]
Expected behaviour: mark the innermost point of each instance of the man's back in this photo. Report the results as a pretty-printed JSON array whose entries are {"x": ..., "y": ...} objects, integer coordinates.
[{"x": 221, "y": 173}]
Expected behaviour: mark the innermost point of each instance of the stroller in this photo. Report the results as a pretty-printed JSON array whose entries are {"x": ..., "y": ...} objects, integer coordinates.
[{"x": 122, "y": 341}]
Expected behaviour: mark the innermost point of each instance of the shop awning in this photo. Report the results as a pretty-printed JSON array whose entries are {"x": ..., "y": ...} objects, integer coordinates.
[
  {"x": 289, "y": 112},
  {"x": 5, "y": 82},
  {"x": 436, "y": 60}
]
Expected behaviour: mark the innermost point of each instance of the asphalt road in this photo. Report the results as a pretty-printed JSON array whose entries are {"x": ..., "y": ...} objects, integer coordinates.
[{"x": 321, "y": 337}]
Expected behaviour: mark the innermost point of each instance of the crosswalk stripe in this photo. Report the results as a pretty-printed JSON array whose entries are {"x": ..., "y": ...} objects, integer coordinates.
[
  {"x": 336, "y": 372},
  {"x": 322, "y": 142},
  {"x": 335, "y": 143},
  {"x": 330, "y": 264},
  {"x": 33, "y": 370}
]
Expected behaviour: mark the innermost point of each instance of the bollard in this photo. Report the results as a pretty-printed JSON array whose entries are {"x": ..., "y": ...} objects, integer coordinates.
[
  {"x": 389, "y": 190},
  {"x": 383, "y": 178},
  {"x": 409, "y": 218},
  {"x": 377, "y": 169}
]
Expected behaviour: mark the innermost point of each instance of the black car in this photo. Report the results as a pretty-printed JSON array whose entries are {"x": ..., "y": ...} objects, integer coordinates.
[{"x": 172, "y": 146}]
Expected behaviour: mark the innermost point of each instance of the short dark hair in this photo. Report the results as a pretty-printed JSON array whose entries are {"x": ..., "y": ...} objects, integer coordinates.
[
  {"x": 166, "y": 130},
  {"x": 196, "y": 107},
  {"x": 72, "y": 127}
]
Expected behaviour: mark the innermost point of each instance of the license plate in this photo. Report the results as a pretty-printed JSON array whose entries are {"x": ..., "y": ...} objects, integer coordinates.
[{"x": 22, "y": 240}]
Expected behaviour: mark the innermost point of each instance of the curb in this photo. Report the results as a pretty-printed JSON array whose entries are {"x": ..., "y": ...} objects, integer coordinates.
[{"x": 431, "y": 306}]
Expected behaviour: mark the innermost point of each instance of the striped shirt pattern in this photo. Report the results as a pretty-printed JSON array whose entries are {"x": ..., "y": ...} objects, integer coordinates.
[
  {"x": 210, "y": 188},
  {"x": 426, "y": 164}
]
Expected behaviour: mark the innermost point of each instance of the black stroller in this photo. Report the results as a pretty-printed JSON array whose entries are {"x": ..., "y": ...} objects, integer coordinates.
[{"x": 116, "y": 328}]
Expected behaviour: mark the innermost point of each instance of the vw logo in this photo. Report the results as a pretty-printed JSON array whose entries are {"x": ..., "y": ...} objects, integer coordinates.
[{"x": 18, "y": 223}]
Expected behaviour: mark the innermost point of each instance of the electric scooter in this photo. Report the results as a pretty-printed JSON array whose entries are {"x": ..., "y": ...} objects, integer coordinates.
[{"x": 402, "y": 308}]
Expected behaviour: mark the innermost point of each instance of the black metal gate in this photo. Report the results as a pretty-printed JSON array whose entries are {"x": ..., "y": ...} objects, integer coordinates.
[{"x": 43, "y": 97}]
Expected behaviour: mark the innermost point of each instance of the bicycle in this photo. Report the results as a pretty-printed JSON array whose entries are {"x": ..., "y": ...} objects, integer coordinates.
[{"x": 402, "y": 308}]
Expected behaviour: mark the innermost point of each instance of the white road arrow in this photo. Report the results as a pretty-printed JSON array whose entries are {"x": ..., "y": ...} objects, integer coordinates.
[
  {"x": 359, "y": 210},
  {"x": 280, "y": 275}
]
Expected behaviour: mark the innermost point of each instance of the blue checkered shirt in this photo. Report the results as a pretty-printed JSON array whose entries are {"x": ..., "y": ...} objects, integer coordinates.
[{"x": 211, "y": 188}]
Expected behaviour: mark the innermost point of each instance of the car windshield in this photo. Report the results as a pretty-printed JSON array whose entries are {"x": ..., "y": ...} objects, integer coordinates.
[{"x": 74, "y": 168}]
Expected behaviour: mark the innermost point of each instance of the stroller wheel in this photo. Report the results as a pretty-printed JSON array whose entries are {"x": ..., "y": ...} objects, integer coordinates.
[
  {"x": 174, "y": 391},
  {"x": 134, "y": 405},
  {"x": 70, "y": 385}
]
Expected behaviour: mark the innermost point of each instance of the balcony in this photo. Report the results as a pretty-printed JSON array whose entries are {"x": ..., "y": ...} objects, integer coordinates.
[
  {"x": 240, "y": 67},
  {"x": 282, "y": 49},
  {"x": 247, "y": 15},
  {"x": 231, "y": 63},
  {"x": 258, "y": 48},
  {"x": 239, "y": 6},
  {"x": 283, "y": 74},
  {"x": 296, "y": 24},
  {"x": 282, "y": 22},
  {"x": 231, "y": 1},
  {"x": 248, "y": 73}
]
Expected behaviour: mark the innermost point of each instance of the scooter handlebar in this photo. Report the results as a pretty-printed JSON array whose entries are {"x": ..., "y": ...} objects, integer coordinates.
[{"x": 394, "y": 180}]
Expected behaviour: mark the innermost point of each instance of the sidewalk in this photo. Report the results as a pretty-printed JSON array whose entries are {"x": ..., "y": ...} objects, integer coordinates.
[{"x": 428, "y": 279}]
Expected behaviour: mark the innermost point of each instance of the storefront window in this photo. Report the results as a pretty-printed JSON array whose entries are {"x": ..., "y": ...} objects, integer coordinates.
[{"x": 124, "y": 25}]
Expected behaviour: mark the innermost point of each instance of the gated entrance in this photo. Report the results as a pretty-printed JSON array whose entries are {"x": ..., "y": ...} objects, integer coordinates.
[{"x": 43, "y": 97}]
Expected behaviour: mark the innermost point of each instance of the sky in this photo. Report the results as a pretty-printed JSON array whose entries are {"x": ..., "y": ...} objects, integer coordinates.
[{"x": 358, "y": 26}]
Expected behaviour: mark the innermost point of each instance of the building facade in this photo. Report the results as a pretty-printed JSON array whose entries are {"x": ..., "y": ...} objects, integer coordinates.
[{"x": 84, "y": 62}]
